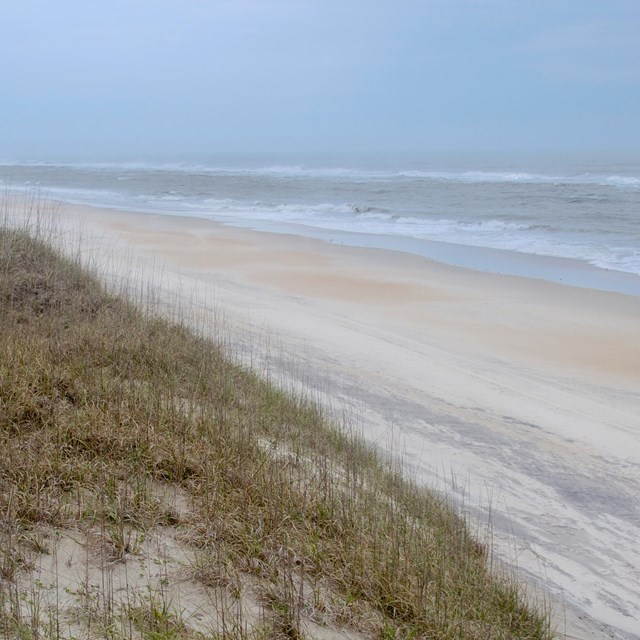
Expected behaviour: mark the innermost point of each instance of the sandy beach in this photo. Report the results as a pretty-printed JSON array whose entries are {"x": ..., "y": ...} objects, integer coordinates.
[{"x": 520, "y": 398}]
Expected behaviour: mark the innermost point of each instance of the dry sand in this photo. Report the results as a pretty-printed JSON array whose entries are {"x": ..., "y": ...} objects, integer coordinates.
[{"x": 521, "y": 398}]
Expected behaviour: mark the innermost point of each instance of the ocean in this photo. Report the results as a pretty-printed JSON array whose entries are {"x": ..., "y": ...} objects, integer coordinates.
[{"x": 572, "y": 221}]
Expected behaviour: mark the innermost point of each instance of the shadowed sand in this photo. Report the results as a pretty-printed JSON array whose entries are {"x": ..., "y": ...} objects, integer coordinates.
[{"x": 517, "y": 396}]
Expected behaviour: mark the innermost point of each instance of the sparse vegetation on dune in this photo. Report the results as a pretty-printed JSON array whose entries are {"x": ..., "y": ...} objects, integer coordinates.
[{"x": 152, "y": 488}]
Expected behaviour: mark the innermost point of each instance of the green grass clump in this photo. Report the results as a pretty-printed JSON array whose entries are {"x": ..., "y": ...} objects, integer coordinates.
[{"x": 101, "y": 405}]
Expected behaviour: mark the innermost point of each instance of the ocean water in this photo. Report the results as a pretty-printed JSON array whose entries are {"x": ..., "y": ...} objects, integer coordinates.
[{"x": 574, "y": 221}]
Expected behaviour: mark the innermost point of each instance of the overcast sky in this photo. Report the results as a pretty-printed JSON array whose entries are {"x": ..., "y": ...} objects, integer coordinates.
[{"x": 126, "y": 79}]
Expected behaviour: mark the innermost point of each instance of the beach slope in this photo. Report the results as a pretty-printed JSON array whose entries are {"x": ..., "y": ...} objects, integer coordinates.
[{"x": 515, "y": 396}]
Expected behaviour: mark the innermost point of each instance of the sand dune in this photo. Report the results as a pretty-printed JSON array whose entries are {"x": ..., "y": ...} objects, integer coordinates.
[{"x": 517, "y": 396}]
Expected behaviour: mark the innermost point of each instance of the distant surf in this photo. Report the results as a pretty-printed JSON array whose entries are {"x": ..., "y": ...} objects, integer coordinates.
[{"x": 584, "y": 212}]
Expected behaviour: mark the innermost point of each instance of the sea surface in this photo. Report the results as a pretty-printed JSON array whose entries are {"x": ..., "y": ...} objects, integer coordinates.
[{"x": 570, "y": 220}]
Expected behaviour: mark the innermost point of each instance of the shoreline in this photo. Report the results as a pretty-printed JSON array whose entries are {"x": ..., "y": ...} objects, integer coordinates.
[
  {"x": 524, "y": 388},
  {"x": 557, "y": 259},
  {"x": 565, "y": 271},
  {"x": 560, "y": 270}
]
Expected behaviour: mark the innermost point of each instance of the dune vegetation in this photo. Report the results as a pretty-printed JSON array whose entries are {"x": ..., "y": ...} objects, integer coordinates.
[{"x": 151, "y": 487}]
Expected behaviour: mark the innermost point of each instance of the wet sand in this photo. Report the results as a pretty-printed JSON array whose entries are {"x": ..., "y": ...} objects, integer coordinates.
[{"x": 520, "y": 398}]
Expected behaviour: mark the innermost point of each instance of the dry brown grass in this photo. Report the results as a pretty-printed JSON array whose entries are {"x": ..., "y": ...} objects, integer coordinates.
[{"x": 138, "y": 459}]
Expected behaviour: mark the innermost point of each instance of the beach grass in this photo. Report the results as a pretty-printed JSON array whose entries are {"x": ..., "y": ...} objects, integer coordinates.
[{"x": 151, "y": 487}]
